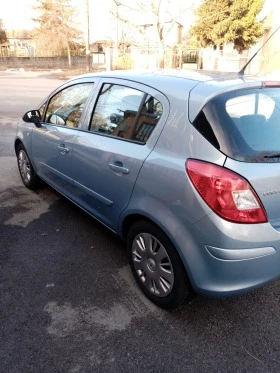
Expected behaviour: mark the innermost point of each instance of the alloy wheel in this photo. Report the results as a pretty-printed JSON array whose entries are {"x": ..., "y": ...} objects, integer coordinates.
[{"x": 24, "y": 166}]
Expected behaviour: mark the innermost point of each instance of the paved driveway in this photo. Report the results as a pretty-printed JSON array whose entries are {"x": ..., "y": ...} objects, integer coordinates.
[{"x": 68, "y": 302}]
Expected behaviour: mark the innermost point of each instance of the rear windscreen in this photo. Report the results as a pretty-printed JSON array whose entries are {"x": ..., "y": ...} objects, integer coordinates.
[{"x": 244, "y": 124}]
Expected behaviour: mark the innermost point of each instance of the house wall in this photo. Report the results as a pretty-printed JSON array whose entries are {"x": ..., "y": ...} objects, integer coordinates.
[{"x": 271, "y": 51}]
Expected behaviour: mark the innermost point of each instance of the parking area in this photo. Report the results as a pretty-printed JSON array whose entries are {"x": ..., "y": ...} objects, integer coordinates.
[{"x": 68, "y": 302}]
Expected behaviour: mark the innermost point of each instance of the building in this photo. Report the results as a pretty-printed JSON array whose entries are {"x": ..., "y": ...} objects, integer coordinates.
[{"x": 18, "y": 47}]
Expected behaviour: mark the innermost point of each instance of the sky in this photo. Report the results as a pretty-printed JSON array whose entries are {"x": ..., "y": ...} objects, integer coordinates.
[{"x": 18, "y": 14}]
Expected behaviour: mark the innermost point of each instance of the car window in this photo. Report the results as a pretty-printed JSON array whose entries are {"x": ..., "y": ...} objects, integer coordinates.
[
  {"x": 126, "y": 113},
  {"x": 42, "y": 109},
  {"x": 150, "y": 114},
  {"x": 245, "y": 124},
  {"x": 250, "y": 104},
  {"x": 66, "y": 107}
]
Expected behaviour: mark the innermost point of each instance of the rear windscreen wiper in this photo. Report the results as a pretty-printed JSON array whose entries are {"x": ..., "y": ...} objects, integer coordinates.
[{"x": 272, "y": 155}]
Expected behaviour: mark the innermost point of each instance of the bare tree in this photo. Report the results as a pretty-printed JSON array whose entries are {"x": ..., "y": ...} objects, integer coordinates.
[{"x": 158, "y": 16}]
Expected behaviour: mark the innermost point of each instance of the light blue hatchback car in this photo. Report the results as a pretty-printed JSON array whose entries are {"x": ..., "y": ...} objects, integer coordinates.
[{"x": 185, "y": 167}]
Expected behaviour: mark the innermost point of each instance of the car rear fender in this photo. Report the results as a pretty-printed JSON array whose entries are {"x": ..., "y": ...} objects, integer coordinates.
[{"x": 153, "y": 210}]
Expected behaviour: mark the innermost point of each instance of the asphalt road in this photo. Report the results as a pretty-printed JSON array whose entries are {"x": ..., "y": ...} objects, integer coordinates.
[{"x": 68, "y": 302}]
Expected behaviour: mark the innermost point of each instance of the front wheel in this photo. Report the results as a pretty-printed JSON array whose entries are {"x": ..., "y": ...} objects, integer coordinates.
[
  {"x": 157, "y": 266},
  {"x": 26, "y": 170}
]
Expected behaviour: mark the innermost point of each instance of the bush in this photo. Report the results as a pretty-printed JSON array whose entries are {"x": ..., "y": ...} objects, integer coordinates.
[{"x": 124, "y": 62}]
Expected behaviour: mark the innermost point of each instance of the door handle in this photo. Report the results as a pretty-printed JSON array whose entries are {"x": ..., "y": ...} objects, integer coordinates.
[
  {"x": 118, "y": 167},
  {"x": 62, "y": 149}
]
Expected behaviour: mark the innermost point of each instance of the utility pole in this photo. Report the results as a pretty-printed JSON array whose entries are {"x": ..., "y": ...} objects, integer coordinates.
[
  {"x": 87, "y": 36},
  {"x": 116, "y": 41}
]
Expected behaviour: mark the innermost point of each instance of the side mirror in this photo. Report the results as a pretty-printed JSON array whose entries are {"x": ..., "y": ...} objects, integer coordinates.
[{"x": 32, "y": 116}]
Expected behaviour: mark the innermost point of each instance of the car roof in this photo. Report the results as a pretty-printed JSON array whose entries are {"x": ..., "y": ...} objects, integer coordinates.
[
  {"x": 197, "y": 87},
  {"x": 163, "y": 75}
]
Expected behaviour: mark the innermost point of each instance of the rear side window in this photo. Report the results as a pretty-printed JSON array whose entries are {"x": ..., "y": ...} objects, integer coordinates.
[
  {"x": 126, "y": 113},
  {"x": 244, "y": 125}
]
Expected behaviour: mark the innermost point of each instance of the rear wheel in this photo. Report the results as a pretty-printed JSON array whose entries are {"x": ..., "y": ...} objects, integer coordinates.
[
  {"x": 26, "y": 170},
  {"x": 157, "y": 266}
]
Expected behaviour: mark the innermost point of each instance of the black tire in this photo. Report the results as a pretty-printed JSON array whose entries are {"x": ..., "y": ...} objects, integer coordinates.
[
  {"x": 157, "y": 267},
  {"x": 28, "y": 176}
]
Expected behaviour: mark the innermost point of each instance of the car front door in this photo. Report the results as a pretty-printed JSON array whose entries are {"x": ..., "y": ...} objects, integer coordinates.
[
  {"x": 107, "y": 157},
  {"x": 52, "y": 143}
]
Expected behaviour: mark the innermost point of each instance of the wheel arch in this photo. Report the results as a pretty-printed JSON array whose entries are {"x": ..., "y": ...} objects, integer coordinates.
[
  {"x": 132, "y": 218},
  {"x": 183, "y": 292},
  {"x": 129, "y": 220},
  {"x": 17, "y": 143},
  {"x": 28, "y": 175}
]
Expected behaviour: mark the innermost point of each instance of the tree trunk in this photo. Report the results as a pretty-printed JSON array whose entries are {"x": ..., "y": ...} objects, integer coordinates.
[
  {"x": 161, "y": 57},
  {"x": 200, "y": 59},
  {"x": 69, "y": 55},
  {"x": 216, "y": 61},
  {"x": 218, "y": 53}
]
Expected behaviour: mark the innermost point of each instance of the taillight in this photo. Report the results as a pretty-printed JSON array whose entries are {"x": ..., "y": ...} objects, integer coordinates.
[{"x": 228, "y": 194}]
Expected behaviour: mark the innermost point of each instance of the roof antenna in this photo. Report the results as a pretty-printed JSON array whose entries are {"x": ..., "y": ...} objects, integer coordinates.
[{"x": 242, "y": 71}]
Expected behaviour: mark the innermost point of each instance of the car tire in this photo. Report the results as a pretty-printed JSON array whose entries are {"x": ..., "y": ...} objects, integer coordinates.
[
  {"x": 28, "y": 176},
  {"x": 157, "y": 267}
]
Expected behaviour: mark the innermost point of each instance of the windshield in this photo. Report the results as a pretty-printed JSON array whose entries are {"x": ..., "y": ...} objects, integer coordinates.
[{"x": 244, "y": 124}]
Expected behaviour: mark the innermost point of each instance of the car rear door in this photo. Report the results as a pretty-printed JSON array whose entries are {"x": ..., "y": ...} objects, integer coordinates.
[
  {"x": 52, "y": 143},
  {"x": 124, "y": 126}
]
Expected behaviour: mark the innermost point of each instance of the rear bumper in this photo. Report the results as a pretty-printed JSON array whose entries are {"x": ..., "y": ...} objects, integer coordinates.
[
  {"x": 227, "y": 259},
  {"x": 228, "y": 277}
]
